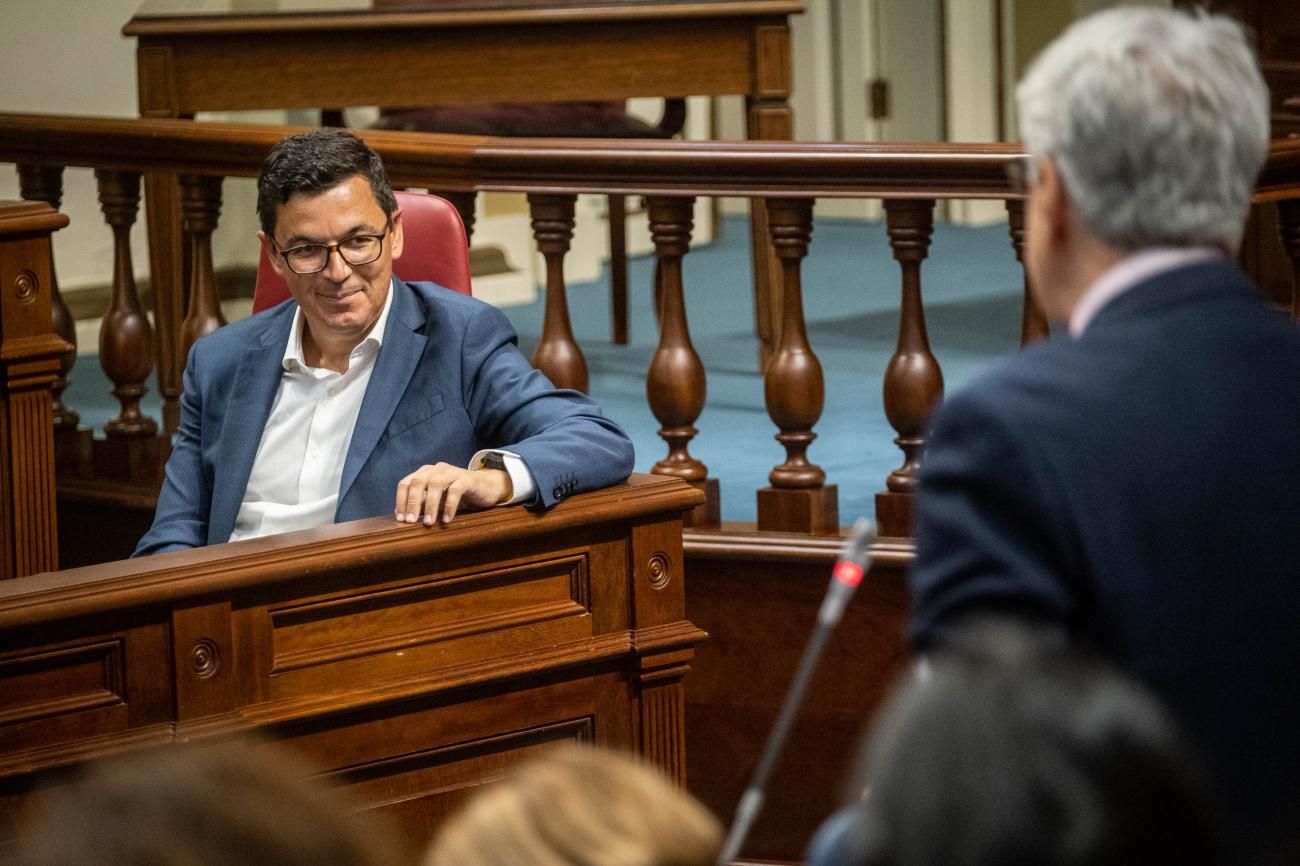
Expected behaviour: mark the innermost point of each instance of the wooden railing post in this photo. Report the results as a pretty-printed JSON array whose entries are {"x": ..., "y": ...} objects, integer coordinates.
[
  {"x": 45, "y": 183},
  {"x": 1033, "y": 324},
  {"x": 1288, "y": 220},
  {"x": 799, "y": 500},
  {"x": 618, "y": 268},
  {"x": 557, "y": 353},
  {"x": 675, "y": 384},
  {"x": 125, "y": 341},
  {"x": 464, "y": 203},
  {"x": 30, "y": 356},
  {"x": 913, "y": 380},
  {"x": 200, "y": 210}
]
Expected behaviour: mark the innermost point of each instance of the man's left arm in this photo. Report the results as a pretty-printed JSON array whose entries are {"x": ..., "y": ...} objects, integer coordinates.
[
  {"x": 548, "y": 443},
  {"x": 562, "y": 438}
]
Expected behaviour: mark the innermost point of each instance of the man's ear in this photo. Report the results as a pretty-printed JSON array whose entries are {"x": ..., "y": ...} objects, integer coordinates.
[
  {"x": 397, "y": 235},
  {"x": 1056, "y": 211},
  {"x": 272, "y": 255}
]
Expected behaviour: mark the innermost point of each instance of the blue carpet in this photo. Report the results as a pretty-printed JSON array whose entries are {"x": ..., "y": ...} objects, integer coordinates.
[{"x": 972, "y": 288}]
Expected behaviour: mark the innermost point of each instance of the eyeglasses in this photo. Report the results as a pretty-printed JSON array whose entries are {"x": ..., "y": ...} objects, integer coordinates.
[
  {"x": 313, "y": 258},
  {"x": 1022, "y": 172}
]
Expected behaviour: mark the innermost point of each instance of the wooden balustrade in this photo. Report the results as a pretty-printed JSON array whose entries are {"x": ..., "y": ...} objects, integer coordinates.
[{"x": 788, "y": 177}]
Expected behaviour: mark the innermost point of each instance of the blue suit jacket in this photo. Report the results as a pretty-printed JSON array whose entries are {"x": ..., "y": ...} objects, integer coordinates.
[
  {"x": 1139, "y": 489},
  {"x": 448, "y": 381}
]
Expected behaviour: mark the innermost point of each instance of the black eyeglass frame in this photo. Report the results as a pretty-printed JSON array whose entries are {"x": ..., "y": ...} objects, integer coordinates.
[{"x": 331, "y": 249}]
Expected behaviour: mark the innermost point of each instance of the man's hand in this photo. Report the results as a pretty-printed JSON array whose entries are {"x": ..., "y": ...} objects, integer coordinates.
[{"x": 433, "y": 493}]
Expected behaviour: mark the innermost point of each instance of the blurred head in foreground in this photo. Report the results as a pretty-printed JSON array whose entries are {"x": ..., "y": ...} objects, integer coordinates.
[
  {"x": 580, "y": 805},
  {"x": 1146, "y": 128},
  {"x": 210, "y": 806},
  {"x": 1005, "y": 751}
]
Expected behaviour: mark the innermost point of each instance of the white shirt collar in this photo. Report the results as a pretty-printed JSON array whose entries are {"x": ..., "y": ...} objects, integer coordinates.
[
  {"x": 1130, "y": 271},
  {"x": 293, "y": 350}
]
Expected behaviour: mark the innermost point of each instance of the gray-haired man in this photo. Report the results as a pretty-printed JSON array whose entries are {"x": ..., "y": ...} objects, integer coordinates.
[{"x": 1134, "y": 482}]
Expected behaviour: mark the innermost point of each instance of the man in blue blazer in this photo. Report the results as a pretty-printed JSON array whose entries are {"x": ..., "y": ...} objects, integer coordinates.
[
  {"x": 363, "y": 395},
  {"x": 1133, "y": 483}
]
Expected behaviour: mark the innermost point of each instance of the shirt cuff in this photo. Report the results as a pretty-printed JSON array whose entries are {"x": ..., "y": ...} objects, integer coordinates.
[{"x": 521, "y": 477}]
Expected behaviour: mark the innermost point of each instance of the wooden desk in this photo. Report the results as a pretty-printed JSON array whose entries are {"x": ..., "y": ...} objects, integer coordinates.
[
  {"x": 410, "y": 664},
  {"x": 203, "y": 55}
]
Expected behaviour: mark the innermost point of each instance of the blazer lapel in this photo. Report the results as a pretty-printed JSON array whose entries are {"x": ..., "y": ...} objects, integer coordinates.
[
  {"x": 255, "y": 384},
  {"x": 403, "y": 346}
]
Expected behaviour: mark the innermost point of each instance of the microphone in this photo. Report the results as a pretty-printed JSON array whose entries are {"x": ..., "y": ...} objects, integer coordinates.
[{"x": 852, "y": 564}]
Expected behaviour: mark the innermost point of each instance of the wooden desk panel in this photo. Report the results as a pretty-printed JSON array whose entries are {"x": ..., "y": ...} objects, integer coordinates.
[
  {"x": 386, "y": 68},
  {"x": 407, "y": 663}
]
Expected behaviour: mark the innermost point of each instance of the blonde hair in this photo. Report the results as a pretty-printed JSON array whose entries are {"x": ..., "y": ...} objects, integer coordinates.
[{"x": 580, "y": 806}]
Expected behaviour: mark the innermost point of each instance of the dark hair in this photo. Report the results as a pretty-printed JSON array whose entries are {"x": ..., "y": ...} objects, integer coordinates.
[
  {"x": 225, "y": 806},
  {"x": 1013, "y": 752},
  {"x": 313, "y": 162}
]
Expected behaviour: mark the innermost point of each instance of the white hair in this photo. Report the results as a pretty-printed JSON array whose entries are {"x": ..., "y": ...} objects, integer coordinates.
[{"x": 1158, "y": 122}]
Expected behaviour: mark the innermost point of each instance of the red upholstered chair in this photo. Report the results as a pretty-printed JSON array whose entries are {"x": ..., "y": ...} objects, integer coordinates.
[{"x": 435, "y": 249}]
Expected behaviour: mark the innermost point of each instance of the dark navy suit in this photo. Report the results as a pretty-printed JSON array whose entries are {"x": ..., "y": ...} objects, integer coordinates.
[
  {"x": 448, "y": 381},
  {"x": 1139, "y": 489}
]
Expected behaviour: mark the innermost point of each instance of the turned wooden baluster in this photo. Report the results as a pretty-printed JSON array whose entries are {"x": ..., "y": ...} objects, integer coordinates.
[
  {"x": 913, "y": 380},
  {"x": 464, "y": 204},
  {"x": 1033, "y": 324},
  {"x": 45, "y": 183},
  {"x": 557, "y": 353},
  {"x": 200, "y": 210},
  {"x": 125, "y": 338},
  {"x": 1288, "y": 220},
  {"x": 799, "y": 500},
  {"x": 675, "y": 384}
]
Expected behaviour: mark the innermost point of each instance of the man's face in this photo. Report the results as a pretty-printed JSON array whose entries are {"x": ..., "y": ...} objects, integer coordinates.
[{"x": 342, "y": 302}]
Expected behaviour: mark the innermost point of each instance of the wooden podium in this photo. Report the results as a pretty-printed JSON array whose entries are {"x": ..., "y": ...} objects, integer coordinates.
[{"x": 410, "y": 664}]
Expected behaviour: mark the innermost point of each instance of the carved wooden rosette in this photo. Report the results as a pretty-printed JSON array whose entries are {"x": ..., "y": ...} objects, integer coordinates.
[
  {"x": 675, "y": 383},
  {"x": 913, "y": 380},
  {"x": 45, "y": 183},
  {"x": 798, "y": 500},
  {"x": 664, "y": 643},
  {"x": 30, "y": 357},
  {"x": 1288, "y": 219},
  {"x": 125, "y": 337},
  {"x": 1033, "y": 324},
  {"x": 557, "y": 353},
  {"x": 200, "y": 210}
]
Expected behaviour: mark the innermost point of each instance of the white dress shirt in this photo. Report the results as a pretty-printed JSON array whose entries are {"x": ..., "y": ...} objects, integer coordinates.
[
  {"x": 294, "y": 483},
  {"x": 1130, "y": 271}
]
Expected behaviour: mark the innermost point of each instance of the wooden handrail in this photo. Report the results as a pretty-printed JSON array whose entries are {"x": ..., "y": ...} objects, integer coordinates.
[
  {"x": 741, "y": 168},
  {"x": 714, "y": 168}
]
